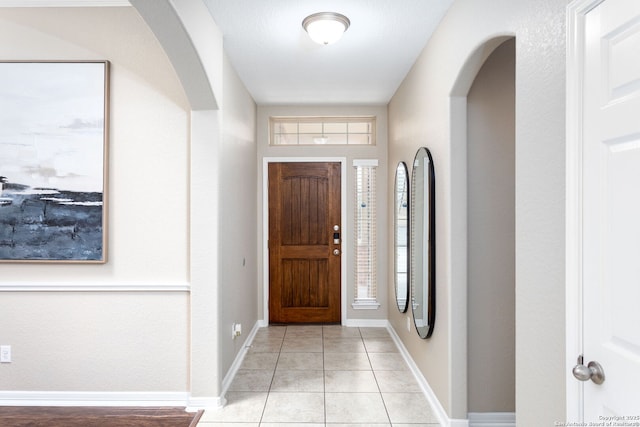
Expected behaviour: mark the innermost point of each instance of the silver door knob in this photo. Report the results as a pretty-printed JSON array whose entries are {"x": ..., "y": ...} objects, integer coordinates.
[
  {"x": 336, "y": 251},
  {"x": 593, "y": 371}
]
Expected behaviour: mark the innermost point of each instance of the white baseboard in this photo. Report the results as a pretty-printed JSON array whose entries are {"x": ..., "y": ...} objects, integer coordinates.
[
  {"x": 231, "y": 373},
  {"x": 77, "y": 398},
  {"x": 196, "y": 404},
  {"x": 126, "y": 399},
  {"x": 437, "y": 407},
  {"x": 352, "y": 323},
  {"x": 366, "y": 323},
  {"x": 492, "y": 419},
  {"x": 63, "y": 3}
]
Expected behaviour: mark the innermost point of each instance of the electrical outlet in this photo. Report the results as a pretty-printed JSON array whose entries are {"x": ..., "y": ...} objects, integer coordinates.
[
  {"x": 236, "y": 330},
  {"x": 5, "y": 354}
]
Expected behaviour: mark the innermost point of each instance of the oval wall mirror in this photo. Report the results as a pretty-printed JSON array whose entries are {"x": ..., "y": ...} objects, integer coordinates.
[
  {"x": 423, "y": 245},
  {"x": 401, "y": 236}
]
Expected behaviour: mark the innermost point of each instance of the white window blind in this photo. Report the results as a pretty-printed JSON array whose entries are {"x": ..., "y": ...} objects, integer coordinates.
[{"x": 365, "y": 239}]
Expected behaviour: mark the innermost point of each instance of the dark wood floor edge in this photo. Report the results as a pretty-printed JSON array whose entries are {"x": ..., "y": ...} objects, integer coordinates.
[{"x": 194, "y": 421}]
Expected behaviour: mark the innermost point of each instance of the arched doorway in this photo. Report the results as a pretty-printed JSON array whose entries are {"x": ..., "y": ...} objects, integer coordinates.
[
  {"x": 491, "y": 235},
  {"x": 464, "y": 304}
]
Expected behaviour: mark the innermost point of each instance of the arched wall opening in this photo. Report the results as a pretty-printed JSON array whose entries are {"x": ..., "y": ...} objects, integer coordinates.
[
  {"x": 491, "y": 234},
  {"x": 193, "y": 43},
  {"x": 462, "y": 380}
]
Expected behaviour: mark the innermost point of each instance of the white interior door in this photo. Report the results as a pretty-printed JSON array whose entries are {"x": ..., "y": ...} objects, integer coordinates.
[{"x": 611, "y": 208}]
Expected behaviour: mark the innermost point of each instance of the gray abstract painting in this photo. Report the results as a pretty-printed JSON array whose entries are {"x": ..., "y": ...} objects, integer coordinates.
[{"x": 53, "y": 144}]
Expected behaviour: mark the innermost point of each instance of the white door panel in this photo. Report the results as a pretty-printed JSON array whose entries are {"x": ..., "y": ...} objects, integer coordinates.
[{"x": 611, "y": 207}]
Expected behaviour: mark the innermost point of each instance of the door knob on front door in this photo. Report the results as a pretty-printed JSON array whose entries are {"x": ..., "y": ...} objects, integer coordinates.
[
  {"x": 336, "y": 251},
  {"x": 593, "y": 371}
]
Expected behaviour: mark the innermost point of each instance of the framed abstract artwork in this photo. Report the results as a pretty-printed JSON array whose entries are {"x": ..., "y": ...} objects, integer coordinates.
[{"x": 53, "y": 161}]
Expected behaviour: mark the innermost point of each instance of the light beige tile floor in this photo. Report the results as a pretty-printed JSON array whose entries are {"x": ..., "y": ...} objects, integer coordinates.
[{"x": 322, "y": 376}]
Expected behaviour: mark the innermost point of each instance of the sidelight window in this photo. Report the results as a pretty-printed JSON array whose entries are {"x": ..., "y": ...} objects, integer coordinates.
[{"x": 365, "y": 238}]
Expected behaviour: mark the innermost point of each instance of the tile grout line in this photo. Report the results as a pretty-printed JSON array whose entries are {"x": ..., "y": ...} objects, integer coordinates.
[
  {"x": 375, "y": 378},
  {"x": 273, "y": 376},
  {"x": 324, "y": 382}
]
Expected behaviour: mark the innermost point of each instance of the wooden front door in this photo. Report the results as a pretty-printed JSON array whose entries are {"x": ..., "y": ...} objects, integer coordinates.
[{"x": 304, "y": 268}]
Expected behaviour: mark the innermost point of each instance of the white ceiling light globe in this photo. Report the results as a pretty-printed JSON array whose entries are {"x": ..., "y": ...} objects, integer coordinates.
[{"x": 325, "y": 27}]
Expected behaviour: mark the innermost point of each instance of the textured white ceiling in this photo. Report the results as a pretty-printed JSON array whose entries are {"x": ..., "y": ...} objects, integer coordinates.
[{"x": 279, "y": 64}]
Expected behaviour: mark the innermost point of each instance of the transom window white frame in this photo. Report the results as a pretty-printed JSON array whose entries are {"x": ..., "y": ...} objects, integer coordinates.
[{"x": 316, "y": 130}]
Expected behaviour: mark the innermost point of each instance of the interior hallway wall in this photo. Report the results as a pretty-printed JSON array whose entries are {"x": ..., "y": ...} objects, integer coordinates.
[
  {"x": 420, "y": 115},
  {"x": 237, "y": 212},
  {"x": 112, "y": 340},
  {"x": 491, "y": 234}
]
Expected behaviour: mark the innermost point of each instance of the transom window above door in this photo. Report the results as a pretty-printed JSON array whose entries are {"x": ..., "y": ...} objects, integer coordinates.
[{"x": 322, "y": 130}]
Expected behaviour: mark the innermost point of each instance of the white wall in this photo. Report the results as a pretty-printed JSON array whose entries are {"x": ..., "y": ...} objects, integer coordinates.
[
  {"x": 378, "y": 151},
  {"x": 113, "y": 340},
  {"x": 237, "y": 213},
  {"x": 422, "y": 112}
]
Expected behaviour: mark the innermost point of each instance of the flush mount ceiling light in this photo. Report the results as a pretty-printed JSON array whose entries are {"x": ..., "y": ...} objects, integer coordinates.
[{"x": 325, "y": 27}]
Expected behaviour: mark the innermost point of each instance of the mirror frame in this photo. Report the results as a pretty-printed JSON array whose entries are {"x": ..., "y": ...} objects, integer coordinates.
[
  {"x": 427, "y": 207},
  {"x": 401, "y": 195}
]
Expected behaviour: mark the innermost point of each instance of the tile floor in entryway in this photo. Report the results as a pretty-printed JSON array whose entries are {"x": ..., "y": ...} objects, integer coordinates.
[{"x": 313, "y": 376}]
